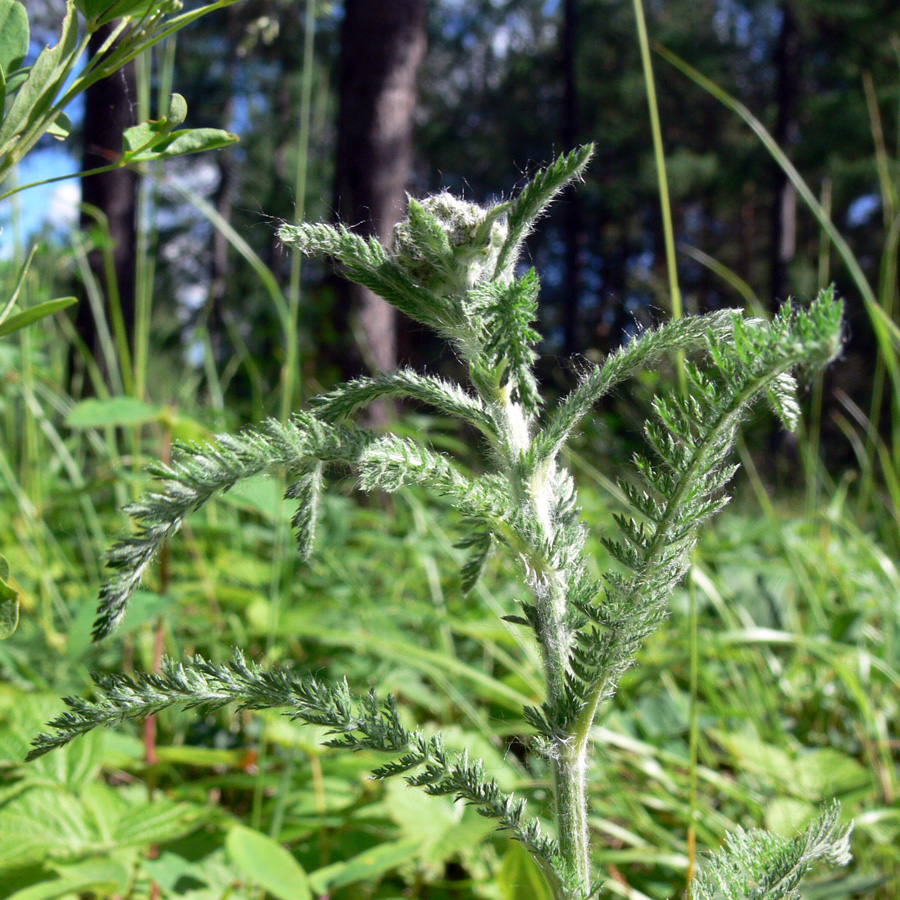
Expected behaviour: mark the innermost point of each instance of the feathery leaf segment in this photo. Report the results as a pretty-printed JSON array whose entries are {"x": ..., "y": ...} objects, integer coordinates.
[
  {"x": 758, "y": 865},
  {"x": 454, "y": 266},
  {"x": 355, "y": 723}
]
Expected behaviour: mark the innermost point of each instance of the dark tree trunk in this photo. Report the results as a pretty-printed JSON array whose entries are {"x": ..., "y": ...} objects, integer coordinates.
[
  {"x": 784, "y": 206},
  {"x": 573, "y": 224},
  {"x": 108, "y": 111},
  {"x": 382, "y": 45},
  {"x": 782, "y": 454}
]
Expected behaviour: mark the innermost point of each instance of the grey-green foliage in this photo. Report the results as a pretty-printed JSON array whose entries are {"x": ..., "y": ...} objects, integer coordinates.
[
  {"x": 758, "y": 865},
  {"x": 357, "y": 723},
  {"x": 454, "y": 266}
]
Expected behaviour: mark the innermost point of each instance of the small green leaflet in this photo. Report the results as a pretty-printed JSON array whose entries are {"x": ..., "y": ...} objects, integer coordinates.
[
  {"x": 42, "y": 310},
  {"x": 99, "y": 12},
  {"x": 37, "y": 92},
  {"x": 365, "y": 866},
  {"x": 14, "y": 35}
]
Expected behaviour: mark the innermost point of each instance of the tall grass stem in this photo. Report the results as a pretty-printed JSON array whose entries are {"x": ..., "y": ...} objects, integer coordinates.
[
  {"x": 290, "y": 378},
  {"x": 660, "y": 160}
]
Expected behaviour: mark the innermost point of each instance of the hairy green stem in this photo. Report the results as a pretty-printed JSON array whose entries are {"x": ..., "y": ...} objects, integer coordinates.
[
  {"x": 570, "y": 778},
  {"x": 569, "y": 756}
]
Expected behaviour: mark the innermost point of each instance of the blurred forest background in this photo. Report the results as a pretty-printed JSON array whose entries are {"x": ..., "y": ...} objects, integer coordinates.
[
  {"x": 785, "y": 645},
  {"x": 412, "y": 96}
]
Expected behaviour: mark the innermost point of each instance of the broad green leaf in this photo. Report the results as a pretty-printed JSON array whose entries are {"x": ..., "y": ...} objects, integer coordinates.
[
  {"x": 263, "y": 495},
  {"x": 160, "y": 821},
  {"x": 182, "y": 143},
  {"x": 86, "y": 7},
  {"x": 14, "y": 35},
  {"x": 9, "y": 615},
  {"x": 184, "y": 428},
  {"x": 29, "y": 316},
  {"x": 4, "y": 576},
  {"x": 366, "y": 866},
  {"x": 39, "y": 818},
  {"x": 267, "y": 863},
  {"x": 785, "y": 815},
  {"x": 14, "y": 80},
  {"x": 144, "y": 135},
  {"x": 99, "y": 12},
  {"x": 89, "y": 876},
  {"x": 121, "y": 411},
  {"x": 443, "y": 826},
  {"x": 148, "y": 606},
  {"x": 39, "y": 90},
  {"x": 78, "y": 633},
  {"x": 168, "y": 869},
  {"x": 123, "y": 8},
  {"x": 214, "y": 871},
  {"x": 2, "y": 94},
  {"x": 519, "y": 877},
  {"x": 807, "y": 775},
  {"x": 9, "y": 603},
  {"x": 78, "y": 764},
  {"x": 77, "y": 769},
  {"x": 827, "y": 772},
  {"x": 155, "y": 138}
]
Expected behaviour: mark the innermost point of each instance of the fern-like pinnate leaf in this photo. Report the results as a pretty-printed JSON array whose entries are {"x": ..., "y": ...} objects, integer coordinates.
[
  {"x": 691, "y": 437},
  {"x": 684, "y": 335},
  {"x": 307, "y": 491},
  {"x": 303, "y": 448},
  {"x": 355, "y": 723},
  {"x": 480, "y": 544},
  {"x": 446, "y": 397},
  {"x": 759, "y": 865},
  {"x": 368, "y": 263},
  {"x": 198, "y": 473},
  {"x": 532, "y": 202},
  {"x": 510, "y": 311},
  {"x": 452, "y": 265}
]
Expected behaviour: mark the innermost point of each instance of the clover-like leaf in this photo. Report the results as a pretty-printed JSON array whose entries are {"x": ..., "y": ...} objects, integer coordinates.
[{"x": 157, "y": 139}]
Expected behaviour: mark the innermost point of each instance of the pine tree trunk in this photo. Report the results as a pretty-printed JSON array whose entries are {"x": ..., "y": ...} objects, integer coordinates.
[
  {"x": 382, "y": 45},
  {"x": 786, "y": 133},
  {"x": 573, "y": 222},
  {"x": 108, "y": 111}
]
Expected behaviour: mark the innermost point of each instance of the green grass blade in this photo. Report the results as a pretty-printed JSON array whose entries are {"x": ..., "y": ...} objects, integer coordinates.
[{"x": 264, "y": 273}]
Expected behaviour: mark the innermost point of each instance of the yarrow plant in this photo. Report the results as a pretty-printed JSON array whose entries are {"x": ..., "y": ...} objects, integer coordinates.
[{"x": 456, "y": 268}]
